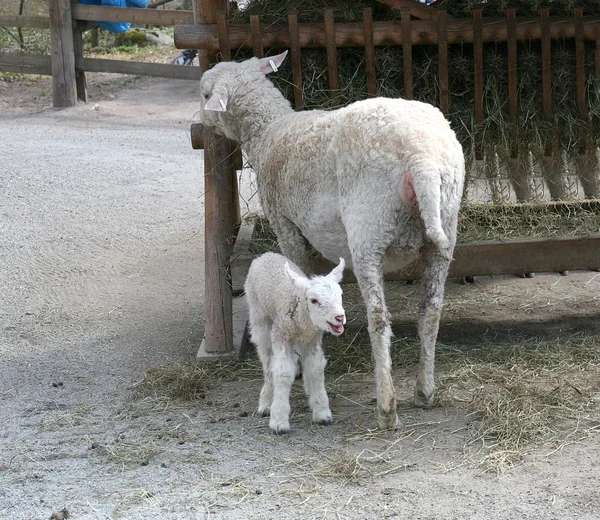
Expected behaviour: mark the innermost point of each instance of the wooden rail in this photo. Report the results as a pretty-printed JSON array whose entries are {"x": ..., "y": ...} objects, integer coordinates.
[
  {"x": 352, "y": 35},
  {"x": 163, "y": 17}
]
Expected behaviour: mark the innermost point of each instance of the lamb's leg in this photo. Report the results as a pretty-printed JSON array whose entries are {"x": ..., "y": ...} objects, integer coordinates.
[
  {"x": 292, "y": 243},
  {"x": 435, "y": 270},
  {"x": 313, "y": 365},
  {"x": 261, "y": 337},
  {"x": 283, "y": 372}
]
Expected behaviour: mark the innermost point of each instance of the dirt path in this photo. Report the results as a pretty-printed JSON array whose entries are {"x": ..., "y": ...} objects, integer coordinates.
[{"x": 101, "y": 276}]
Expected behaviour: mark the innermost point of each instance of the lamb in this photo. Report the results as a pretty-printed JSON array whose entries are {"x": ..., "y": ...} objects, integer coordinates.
[
  {"x": 288, "y": 315},
  {"x": 353, "y": 183}
]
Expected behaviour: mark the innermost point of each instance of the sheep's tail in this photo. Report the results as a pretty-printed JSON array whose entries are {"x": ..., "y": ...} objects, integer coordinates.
[{"x": 426, "y": 184}]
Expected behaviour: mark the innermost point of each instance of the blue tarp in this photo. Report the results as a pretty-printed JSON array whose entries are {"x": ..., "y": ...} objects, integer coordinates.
[{"x": 116, "y": 27}]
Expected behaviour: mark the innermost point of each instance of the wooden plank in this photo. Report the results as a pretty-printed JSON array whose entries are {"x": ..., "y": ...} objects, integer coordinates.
[
  {"x": 597, "y": 58},
  {"x": 494, "y": 258},
  {"x": 80, "y": 80},
  {"x": 157, "y": 70},
  {"x": 223, "y": 36},
  {"x": 511, "y": 23},
  {"x": 32, "y": 22},
  {"x": 257, "y": 45},
  {"x": 443, "y": 61},
  {"x": 26, "y": 60},
  {"x": 332, "y": 66},
  {"x": 424, "y": 12},
  {"x": 546, "y": 65},
  {"x": 478, "y": 78},
  {"x": 296, "y": 59},
  {"x": 369, "y": 52},
  {"x": 580, "y": 64},
  {"x": 407, "y": 62},
  {"x": 241, "y": 250},
  {"x": 64, "y": 87},
  {"x": 197, "y": 136},
  {"x": 352, "y": 35},
  {"x": 26, "y": 69},
  {"x": 161, "y": 17}
]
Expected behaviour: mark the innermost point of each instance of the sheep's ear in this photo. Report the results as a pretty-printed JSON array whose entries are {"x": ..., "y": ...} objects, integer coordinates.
[
  {"x": 272, "y": 63},
  {"x": 338, "y": 272},
  {"x": 217, "y": 102},
  {"x": 299, "y": 281}
]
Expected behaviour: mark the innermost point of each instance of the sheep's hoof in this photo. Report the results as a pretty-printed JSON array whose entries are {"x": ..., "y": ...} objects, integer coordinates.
[
  {"x": 563, "y": 273},
  {"x": 324, "y": 422},
  {"x": 264, "y": 413},
  {"x": 424, "y": 400},
  {"x": 389, "y": 421}
]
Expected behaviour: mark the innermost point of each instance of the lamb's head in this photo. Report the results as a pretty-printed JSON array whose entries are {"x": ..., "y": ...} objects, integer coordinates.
[
  {"x": 233, "y": 90},
  {"x": 323, "y": 298}
]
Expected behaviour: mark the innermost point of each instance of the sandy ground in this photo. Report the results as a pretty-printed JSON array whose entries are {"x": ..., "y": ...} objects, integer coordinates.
[{"x": 101, "y": 276}]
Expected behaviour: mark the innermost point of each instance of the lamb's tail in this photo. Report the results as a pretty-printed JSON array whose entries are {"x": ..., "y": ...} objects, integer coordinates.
[{"x": 426, "y": 187}]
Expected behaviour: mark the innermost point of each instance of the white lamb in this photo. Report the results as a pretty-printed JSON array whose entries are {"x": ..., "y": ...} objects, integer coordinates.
[
  {"x": 352, "y": 182},
  {"x": 288, "y": 315}
]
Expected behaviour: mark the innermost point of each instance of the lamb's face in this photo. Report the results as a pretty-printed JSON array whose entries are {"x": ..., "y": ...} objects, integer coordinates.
[
  {"x": 324, "y": 301},
  {"x": 215, "y": 92}
]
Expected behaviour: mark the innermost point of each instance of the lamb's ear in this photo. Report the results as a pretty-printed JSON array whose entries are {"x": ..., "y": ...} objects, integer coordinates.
[
  {"x": 272, "y": 63},
  {"x": 217, "y": 102},
  {"x": 338, "y": 272},
  {"x": 299, "y": 281}
]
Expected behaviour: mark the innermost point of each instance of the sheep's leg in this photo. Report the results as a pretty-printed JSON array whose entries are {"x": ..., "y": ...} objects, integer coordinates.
[
  {"x": 435, "y": 270},
  {"x": 368, "y": 238},
  {"x": 292, "y": 243},
  {"x": 261, "y": 337},
  {"x": 313, "y": 365},
  {"x": 283, "y": 372}
]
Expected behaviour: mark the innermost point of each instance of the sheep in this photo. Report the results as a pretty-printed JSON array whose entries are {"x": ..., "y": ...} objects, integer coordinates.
[
  {"x": 288, "y": 315},
  {"x": 351, "y": 183}
]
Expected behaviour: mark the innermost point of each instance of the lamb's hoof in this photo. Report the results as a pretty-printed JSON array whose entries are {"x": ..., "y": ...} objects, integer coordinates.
[
  {"x": 424, "y": 400},
  {"x": 563, "y": 273},
  {"x": 327, "y": 421},
  {"x": 280, "y": 430},
  {"x": 264, "y": 413}
]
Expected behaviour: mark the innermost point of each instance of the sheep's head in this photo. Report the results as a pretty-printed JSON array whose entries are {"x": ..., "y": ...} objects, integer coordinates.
[
  {"x": 323, "y": 297},
  {"x": 221, "y": 86}
]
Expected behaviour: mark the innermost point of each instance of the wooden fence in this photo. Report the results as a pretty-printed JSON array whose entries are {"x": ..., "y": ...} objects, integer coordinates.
[
  {"x": 227, "y": 260},
  {"x": 67, "y": 64}
]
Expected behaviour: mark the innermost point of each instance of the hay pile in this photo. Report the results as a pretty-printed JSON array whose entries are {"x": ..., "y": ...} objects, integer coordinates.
[{"x": 499, "y": 135}]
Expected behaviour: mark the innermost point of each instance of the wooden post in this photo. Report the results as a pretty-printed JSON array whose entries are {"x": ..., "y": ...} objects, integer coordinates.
[
  {"x": 407, "y": 54},
  {"x": 80, "y": 81},
  {"x": 219, "y": 216},
  {"x": 64, "y": 88},
  {"x": 369, "y": 52},
  {"x": 443, "y": 61}
]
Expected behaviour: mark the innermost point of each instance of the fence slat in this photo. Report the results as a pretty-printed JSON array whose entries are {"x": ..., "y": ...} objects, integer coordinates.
[
  {"x": 546, "y": 65},
  {"x": 369, "y": 52},
  {"x": 580, "y": 64},
  {"x": 407, "y": 62},
  {"x": 443, "y": 60},
  {"x": 223, "y": 36},
  {"x": 478, "y": 77},
  {"x": 158, "y": 70},
  {"x": 257, "y": 45},
  {"x": 597, "y": 58},
  {"x": 163, "y": 17},
  {"x": 296, "y": 59},
  {"x": 332, "y": 66},
  {"x": 33, "y": 22},
  {"x": 511, "y": 24},
  {"x": 352, "y": 35},
  {"x": 64, "y": 89}
]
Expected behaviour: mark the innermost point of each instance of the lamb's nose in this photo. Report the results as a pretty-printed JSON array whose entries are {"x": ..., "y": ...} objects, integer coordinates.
[{"x": 341, "y": 318}]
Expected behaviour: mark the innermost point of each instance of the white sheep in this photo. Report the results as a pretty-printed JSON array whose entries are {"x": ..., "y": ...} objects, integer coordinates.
[
  {"x": 288, "y": 315},
  {"x": 353, "y": 182}
]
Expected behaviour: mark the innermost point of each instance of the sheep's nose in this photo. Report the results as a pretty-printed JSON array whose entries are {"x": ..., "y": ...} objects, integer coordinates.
[{"x": 341, "y": 318}]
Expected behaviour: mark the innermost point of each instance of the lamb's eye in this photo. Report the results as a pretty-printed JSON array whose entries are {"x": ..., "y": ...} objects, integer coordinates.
[
  {"x": 206, "y": 96},
  {"x": 314, "y": 301}
]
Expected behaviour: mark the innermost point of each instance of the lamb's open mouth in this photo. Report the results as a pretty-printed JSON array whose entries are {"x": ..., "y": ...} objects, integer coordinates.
[{"x": 338, "y": 329}]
